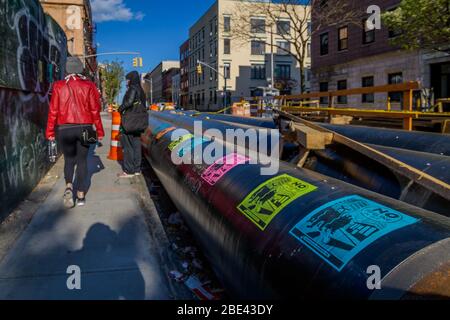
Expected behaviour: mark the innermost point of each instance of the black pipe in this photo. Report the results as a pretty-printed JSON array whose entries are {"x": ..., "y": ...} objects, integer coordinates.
[
  {"x": 299, "y": 234},
  {"x": 416, "y": 141}
]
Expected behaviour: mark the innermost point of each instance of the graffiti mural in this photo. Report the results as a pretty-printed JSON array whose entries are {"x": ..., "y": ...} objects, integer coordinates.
[{"x": 32, "y": 53}]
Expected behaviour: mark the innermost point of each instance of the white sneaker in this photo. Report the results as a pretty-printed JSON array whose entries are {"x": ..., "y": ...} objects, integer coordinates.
[{"x": 125, "y": 175}]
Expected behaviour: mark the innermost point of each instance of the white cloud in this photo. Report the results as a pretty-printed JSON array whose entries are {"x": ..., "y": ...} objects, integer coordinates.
[{"x": 113, "y": 10}]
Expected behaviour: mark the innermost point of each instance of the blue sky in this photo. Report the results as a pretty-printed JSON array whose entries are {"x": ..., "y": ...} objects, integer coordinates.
[{"x": 156, "y": 28}]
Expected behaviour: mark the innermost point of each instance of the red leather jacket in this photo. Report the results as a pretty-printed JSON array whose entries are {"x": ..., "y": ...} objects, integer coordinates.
[{"x": 74, "y": 101}]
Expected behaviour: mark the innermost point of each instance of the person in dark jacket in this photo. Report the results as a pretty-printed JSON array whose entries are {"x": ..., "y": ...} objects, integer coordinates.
[
  {"x": 133, "y": 102},
  {"x": 74, "y": 107}
]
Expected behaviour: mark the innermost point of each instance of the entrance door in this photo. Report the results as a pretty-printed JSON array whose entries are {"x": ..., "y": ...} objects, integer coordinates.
[{"x": 440, "y": 81}]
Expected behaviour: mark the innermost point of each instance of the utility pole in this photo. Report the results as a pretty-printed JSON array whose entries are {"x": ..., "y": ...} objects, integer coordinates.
[
  {"x": 272, "y": 80},
  {"x": 225, "y": 86}
]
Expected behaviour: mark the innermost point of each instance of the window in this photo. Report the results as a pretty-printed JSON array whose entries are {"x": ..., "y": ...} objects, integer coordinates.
[
  {"x": 323, "y": 87},
  {"x": 258, "y": 47},
  {"x": 309, "y": 28},
  {"x": 342, "y": 85},
  {"x": 395, "y": 78},
  {"x": 308, "y": 50},
  {"x": 226, "y": 46},
  {"x": 227, "y": 70},
  {"x": 283, "y": 71},
  {"x": 283, "y": 47},
  {"x": 368, "y": 35},
  {"x": 226, "y": 24},
  {"x": 258, "y": 25},
  {"x": 324, "y": 44},
  {"x": 392, "y": 32},
  {"x": 283, "y": 27},
  {"x": 368, "y": 97},
  {"x": 258, "y": 72},
  {"x": 343, "y": 38}
]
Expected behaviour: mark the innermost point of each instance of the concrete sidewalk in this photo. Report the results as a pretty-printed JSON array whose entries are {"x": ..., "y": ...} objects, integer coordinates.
[{"x": 108, "y": 239}]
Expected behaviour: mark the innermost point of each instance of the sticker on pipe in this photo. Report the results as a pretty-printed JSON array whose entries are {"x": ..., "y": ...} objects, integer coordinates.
[
  {"x": 181, "y": 139},
  {"x": 264, "y": 203},
  {"x": 218, "y": 169},
  {"x": 339, "y": 230},
  {"x": 191, "y": 145}
]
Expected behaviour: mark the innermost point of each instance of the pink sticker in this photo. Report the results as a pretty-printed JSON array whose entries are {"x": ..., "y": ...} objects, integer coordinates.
[{"x": 217, "y": 170}]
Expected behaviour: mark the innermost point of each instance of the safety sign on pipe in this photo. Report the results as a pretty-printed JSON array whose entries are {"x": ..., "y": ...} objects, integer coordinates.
[
  {"x": 181, "y": 139},
  {"x": 190, "y": 145},
  {"x": 264, "y": 203},
  {"x": 219, "y": 168},
  {"x": 339, "y": 230}
]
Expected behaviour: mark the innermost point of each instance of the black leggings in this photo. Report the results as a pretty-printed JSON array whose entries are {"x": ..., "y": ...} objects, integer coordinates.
[{"x": 75, "y": 154}]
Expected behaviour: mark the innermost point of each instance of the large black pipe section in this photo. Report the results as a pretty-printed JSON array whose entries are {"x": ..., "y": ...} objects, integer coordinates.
[
  {"x": 299, "y": 234},
  {"x": 345, "y": 164},
  {"x": 416, "y": 141}
]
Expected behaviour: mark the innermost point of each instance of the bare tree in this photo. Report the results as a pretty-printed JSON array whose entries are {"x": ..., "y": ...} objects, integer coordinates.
[{"x": 298, "y": 34}]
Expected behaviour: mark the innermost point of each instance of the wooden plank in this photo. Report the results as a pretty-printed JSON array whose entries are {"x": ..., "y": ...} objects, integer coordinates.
[
  {"x": 401, "y": 87},
  {"x": 310, "y": 138},
  {"x": 422, "y": 178}
]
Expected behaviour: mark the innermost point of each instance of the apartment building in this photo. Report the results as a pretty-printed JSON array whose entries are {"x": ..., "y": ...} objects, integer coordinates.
[
  {"x": 246, "y": 67},
  {"x": 75, "y": 18},
  {"x": 156, "y": 82},
  {"x": 352, "y": 56},
  {"x": 184, "y": 74}
]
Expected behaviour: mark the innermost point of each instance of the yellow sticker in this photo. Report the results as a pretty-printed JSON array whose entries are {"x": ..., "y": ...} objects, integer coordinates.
[
  {"x": 181, "y": 139},
  {"x": 270, "y": 198}
]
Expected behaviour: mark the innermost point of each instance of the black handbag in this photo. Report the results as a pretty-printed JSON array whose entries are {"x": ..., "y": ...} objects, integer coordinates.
[
  {"x": 89, "y": 136},
  {"x": 135, "y": 121}
]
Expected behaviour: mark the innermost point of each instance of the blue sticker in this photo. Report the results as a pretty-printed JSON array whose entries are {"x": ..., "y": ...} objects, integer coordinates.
[
  {"x": 160, "y": 128},
  {"x": 190, "y": 145},
  {"x": 339, "y": 230}
]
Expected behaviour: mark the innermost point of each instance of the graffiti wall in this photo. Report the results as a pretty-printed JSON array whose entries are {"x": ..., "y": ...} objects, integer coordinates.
[{"x": 32, "y": 53}]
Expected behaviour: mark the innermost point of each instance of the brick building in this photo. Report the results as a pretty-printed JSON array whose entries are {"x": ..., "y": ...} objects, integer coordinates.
[
  {"x": 75, "y": 18},
  {"x": 184, "y": 75},
  {"x": 351, "y": 56}
]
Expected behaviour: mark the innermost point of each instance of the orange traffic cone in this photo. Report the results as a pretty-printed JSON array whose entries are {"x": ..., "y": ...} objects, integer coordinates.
[{"x": 116, "y": 152}]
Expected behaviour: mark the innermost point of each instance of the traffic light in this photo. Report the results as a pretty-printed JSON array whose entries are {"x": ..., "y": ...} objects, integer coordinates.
[
  {"x": 137, "y": 62},
  {"x": 199, "y": 69}
]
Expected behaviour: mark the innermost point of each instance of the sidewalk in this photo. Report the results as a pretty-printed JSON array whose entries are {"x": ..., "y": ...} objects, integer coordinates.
[{"x": 108, "y": 239}]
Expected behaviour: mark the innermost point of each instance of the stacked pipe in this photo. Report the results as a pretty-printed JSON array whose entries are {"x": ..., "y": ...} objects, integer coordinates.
[
  {"x": 298, "y": 234},
  {"x": 427, "y": 152}
]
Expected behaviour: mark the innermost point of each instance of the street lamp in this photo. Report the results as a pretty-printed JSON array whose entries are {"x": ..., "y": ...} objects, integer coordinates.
[{"x": 224, "y": 75}]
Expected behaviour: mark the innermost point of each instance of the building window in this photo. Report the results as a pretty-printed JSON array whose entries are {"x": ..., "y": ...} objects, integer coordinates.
[
  {"x": 324, "y": 44},
  {"x": 283, "y": 47},
  {"x": 342, "y": 85},
  {"x": 283, "y": 71},
  {"x": 258, "y": 72},
  {"x": 258, "y": 47},
  {"x": 226, "y": 24},
  {"x": 226, "y": 46},
  {"x": 368, "y": 35},
  {"x": 395, "y": 78},
  {"x": 283, "y": 27},
  {"x": 368, "y": 97},
  {"x": 343, "y": 38},
  {"x": 258, "y": 25},
  {"x": 323, "y": 87},
  {"x": 393, "y": 32},
  {"x": 308, "y": 50},
  {"x": 227, "y": 70}
]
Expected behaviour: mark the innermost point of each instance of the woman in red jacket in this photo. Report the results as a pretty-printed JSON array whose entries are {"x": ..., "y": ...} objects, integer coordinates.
[{"x": 74, "y": 106}]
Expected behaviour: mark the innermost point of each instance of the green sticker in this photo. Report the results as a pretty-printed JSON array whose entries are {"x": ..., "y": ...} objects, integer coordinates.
[
  {"x": 267, "y": 200},
  {"x": 181, "y": 139}
]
